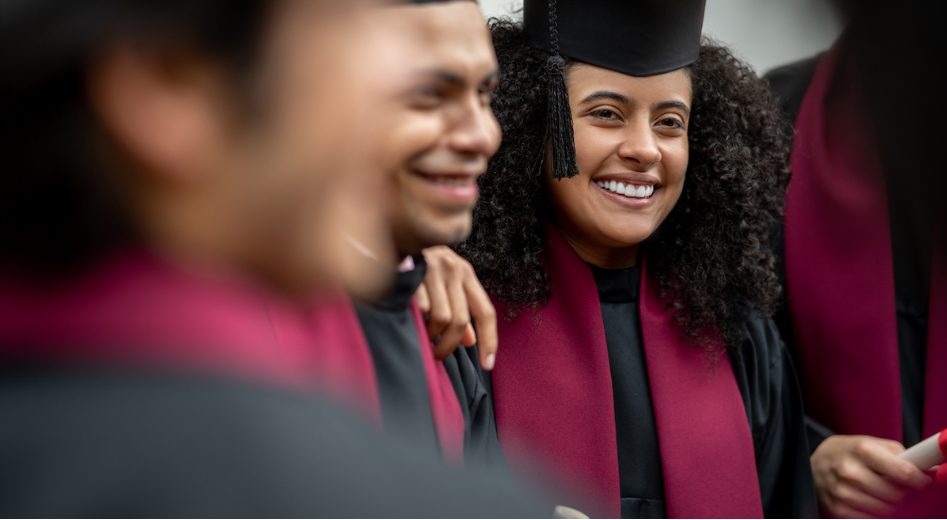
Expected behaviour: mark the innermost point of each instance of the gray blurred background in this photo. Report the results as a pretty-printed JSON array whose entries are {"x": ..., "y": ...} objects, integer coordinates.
[{"x": 765, "y": 33}]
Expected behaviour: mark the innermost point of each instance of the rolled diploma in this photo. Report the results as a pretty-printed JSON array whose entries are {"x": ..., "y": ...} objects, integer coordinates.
[{"x": 925, "y": 454}]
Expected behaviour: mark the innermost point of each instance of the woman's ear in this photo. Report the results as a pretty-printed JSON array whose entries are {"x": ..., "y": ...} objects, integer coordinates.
[{"x": 167, "y": 115}]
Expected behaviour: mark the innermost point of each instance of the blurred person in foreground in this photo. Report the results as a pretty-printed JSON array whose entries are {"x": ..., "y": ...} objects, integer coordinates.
[
  {"x": 176, "y": 174},
  {"x": 864, "y": 264}
]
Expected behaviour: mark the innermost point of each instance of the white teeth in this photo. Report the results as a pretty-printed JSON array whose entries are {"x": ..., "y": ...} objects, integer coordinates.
[
  {"x": 449, "y": 181},
  {"x": 628, "y": 190}
]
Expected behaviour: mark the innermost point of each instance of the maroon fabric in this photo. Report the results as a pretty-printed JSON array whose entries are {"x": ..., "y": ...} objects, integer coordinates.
[
  {"x": 840, "y": 275},
  {"x": 935, "y": 382},
  {"x": 552, "y": 386},
  {"x": 138, "y": 310},
  {"x": 448, "y": 417},
  {"x": 942, "y": 470},
  {"x": 707, "y": 449},
  {"x": 340, "y": 317},
  {"x": 553, "y": 399},
  {"x": 353, "y": 379}
]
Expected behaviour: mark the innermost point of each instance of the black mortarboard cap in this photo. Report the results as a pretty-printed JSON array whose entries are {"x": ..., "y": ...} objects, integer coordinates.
[{"x": 634, "y": 37}]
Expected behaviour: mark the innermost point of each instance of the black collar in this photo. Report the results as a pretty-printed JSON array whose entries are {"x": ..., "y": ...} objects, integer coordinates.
[
  {"x": 406, "y": 284},
  {"x": 617, "y": 285}
]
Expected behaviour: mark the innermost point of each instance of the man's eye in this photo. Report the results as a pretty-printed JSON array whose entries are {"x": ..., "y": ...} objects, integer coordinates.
[{"x": 428, "y": 94}]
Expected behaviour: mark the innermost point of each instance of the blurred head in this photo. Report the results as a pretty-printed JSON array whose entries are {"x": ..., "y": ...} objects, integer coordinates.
[
  {"x": 210, "y": 131},
  {"x": 632, "y": 151},
  {"x": 441, "y": 131}
]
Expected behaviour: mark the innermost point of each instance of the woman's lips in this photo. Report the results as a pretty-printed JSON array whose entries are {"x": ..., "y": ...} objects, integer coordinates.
[
  {"x": 630, "y": 194},
  {"x": 632, "y": 190}
]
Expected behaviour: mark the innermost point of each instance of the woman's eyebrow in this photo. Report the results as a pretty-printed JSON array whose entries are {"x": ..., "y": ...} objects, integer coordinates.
[
  {"x": 680, "y": 105},
  {"x": 606, "y": 94}
]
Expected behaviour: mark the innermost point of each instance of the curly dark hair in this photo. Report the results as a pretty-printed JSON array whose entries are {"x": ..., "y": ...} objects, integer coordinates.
[{"x": 713, "y": 262}]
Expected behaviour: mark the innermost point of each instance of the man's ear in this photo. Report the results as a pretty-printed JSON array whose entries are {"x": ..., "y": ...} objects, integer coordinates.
[{"x": 167, "y": 115}]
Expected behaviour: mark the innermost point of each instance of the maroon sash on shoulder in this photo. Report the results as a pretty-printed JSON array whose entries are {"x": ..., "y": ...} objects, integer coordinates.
[
  {"x": 340, "y": 316},
  {"x": 137, "y": 310},
  {"x": 840, "y": 274},
  {"x": 448, "y": 418},
  {"x": 553, "y": 398}
]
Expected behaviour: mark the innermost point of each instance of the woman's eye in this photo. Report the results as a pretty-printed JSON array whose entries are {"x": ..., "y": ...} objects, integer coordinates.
[
  {"x": 671, "y": 122},
  {"x": 606, "y": 114}
]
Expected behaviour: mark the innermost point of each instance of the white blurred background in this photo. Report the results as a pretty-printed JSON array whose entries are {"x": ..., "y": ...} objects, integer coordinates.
[{"x": 765, "y": 33}]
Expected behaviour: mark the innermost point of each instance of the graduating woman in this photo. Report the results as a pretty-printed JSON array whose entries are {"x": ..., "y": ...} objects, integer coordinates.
[{"x": 624, "y": 231}]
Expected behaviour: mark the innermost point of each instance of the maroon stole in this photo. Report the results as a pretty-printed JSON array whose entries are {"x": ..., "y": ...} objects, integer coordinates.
[
  {"x": 445, "y": 407},
  {"x": 840, "y": 275},
  {"x": 137, "y": 310},
  {"x": 553, "y": 398},
  {"x": 448, "y": 418},
  {"x": 352, "y": 379}
]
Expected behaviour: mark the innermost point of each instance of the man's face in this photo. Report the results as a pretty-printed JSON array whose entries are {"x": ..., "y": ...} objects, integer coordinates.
[
  {"x": 440, "y": 131},
  {"x": 311, "y": 188}
]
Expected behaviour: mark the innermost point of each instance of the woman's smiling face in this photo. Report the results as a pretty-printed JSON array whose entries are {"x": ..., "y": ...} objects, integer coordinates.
[{"x": 632, "y": 152}]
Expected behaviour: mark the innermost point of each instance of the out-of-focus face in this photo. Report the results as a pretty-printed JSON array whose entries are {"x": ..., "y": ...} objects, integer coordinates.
[
  {"x": 311, "y": 181},
  {"x": 632, "y": 152},
  {"x": 440, "y": 130}
]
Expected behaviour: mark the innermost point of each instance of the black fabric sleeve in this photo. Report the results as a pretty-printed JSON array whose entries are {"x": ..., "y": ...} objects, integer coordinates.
[
  {"x": 771, "y": 395},
  {"x": 472, "y": 386},
  {"x": 816, "y": 432}
]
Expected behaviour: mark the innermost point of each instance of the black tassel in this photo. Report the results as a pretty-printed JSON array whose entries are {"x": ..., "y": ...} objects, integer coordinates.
[
  {"x": 559, "y": 124},
  {"x": 558, "y": 111}
]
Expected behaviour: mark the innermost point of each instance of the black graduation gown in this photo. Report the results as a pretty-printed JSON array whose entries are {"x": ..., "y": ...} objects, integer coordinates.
[
  {"x": 912, "y": 256},
  {"x": 392, "y": 337},
  {"x": 766, "y": 382},
  {"x": 90, "y": 442}
]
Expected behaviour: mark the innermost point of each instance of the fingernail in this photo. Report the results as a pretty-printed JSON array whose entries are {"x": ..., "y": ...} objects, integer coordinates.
[{"x": 490, "y": 361}]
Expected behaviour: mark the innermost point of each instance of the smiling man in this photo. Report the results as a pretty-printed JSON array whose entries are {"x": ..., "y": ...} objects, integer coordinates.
[
  {"x": 175, "y": 172},
  {"x": 441, "y": 134}
]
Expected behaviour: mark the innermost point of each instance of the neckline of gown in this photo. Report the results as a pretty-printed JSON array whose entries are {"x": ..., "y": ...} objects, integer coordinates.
[
  {"x": 405, "y": 286},
  {"x": 617, "y": 285}
]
